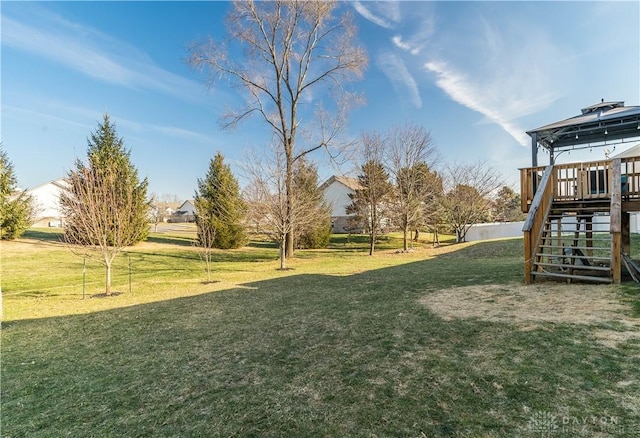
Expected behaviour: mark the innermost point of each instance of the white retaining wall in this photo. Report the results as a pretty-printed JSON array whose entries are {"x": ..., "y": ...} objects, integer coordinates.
[
  {"x": 514, "y": 229},
  {"x": 495, "y": 230}
]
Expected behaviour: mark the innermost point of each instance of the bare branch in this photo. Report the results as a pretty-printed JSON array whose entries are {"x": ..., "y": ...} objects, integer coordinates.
[{"x": 295, "y": 52}]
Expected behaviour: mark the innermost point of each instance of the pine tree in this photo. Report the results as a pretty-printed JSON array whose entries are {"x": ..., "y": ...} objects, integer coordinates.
[
  {"x": 369, "y": 202},
  {"x": 506, "y": 206},
  {"x": 220, "y": 208},
  {"x": 16, "y": 207},
  {"x": 430, "y": 189},
  {"x": 105, "y": 208},
  {"x": 316, "y": 232}
]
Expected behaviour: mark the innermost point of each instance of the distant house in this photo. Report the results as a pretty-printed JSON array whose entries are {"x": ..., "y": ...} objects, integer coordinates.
[
  {"x": 162, "y": 212},
  {"x": 336, "y": 192},
  {"x": 46, "y": 199},
  {"x": 185, "y": 213}
]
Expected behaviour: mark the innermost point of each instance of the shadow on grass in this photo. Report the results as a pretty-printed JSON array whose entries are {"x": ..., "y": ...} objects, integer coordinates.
[
  {"x": 55, "y": 235},
  {"x": 308, "y": 355},
  {"x": 170, "y": 240},
  {"x": 262, "y": 244},
  {"x": 360, "y": 242}
]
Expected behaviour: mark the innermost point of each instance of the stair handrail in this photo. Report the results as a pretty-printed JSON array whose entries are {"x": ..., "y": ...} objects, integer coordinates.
[
  {"x": 538, "y": 198},
  {"x": 534, "y": 224}
]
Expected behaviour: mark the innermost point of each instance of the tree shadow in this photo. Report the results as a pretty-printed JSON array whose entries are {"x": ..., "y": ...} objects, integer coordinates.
[
  {"x": 45, "y": 236},
  {"x": 170, "y": 240}
]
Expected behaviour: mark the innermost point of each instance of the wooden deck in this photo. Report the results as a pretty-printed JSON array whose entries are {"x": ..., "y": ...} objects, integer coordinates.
[
  {"x": 609, "y": 187},
  {"x": 585, "y": 184}
]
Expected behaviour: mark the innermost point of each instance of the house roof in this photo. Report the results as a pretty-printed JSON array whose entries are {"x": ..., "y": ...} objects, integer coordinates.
[
  {"x": 597, "y": 124},
  {"x": 350, "y": 183},
  {"x": 60, "y": 182},
  {"x": 188, "y": 201},
  {"x": 633, "y": 151}
]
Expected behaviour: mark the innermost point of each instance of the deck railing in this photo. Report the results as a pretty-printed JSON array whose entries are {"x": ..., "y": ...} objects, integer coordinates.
[{"x": 582, "y": 181}]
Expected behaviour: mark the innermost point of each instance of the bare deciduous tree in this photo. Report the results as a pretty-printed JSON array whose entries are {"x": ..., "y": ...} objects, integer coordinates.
[
  {"x": 96, "y": 212},
  {"x": 268, "y": 198},
  {"x": 206, "y": 237},
  {"x": 294, "y": 53},
  {"x": 468, "y": 192},
  {"x": 411, "y": 154}
]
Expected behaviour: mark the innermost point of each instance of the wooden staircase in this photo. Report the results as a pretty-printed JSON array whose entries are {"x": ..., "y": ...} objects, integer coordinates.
[
  {"x": 569, "y": 249},
  {"x": 560, "y": 240}
]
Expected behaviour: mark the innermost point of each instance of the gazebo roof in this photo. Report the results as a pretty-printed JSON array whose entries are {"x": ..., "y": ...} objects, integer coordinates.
[{"x": 603, "y": 122}]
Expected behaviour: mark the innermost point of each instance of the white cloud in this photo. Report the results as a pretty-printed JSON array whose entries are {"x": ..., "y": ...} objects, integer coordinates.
[
  {"x": 96, "y": 55},
  {"x": 397, "y": 40},
  {"x": 492, "y": 67},
  {"x": 417, "y": 29},
  {"x": 466, "y": 93},
  {"x": 396, "y": 70},
  {"x": 386, "y": 14},
  {"x": 177, "y": 132}
]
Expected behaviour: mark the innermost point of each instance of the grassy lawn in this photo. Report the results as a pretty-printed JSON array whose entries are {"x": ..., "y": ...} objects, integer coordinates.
[{"x": 435, "y": 342}]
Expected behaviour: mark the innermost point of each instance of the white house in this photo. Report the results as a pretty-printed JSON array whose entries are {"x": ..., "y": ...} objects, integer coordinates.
[
  {"x": 46, "y": 199},
  {"x": 185, "y": 213},
  {"x": 336, "y": 192}
]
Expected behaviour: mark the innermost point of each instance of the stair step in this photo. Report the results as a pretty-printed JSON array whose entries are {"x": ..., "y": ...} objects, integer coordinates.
[
  {"x": 581, "y": 267},
  {"x": 573, "y": 277},
  {"x": 590, "y": 258},
  {"x": 600, "y": 239},
  {"x": 559, "y": 214},
  {"x": 594, "y": 208},
  {"x": 585, "y": 248}
]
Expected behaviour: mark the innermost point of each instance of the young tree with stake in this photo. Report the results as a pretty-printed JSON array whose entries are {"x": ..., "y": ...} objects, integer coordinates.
[{"x": 105, "y": 207}]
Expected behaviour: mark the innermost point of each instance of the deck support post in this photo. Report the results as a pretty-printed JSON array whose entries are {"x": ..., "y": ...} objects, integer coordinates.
[
  {"x": 616, "y": 222},
  {"x": 626, "y": 233}
]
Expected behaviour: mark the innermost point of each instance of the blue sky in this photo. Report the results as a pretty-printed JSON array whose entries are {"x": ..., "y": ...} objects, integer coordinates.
[{"x": 477, "y": 75}]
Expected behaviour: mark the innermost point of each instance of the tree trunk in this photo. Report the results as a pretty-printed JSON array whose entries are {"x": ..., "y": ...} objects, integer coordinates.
[
  {"x": 288, "y": 240},
  {"x": 107, "y": 287},
  {"x": 372, "y": 231},
  {"x": 405, "y": 239},
  {"x": 283, "y": 258},
  {"x": 207, "y": 255},
  {"x": 289, "y": 244},
  {"x": 372, "y": 242}
]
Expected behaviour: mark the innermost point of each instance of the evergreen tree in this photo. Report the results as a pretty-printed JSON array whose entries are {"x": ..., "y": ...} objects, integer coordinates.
[
  {"x": 430, "y": 189},
  {"x": 316, "y": 231},
  {"x": 506, "y": 206},
  {"x": 369, "y": 203},
  {"x": 105, "y": 208},
  {"x": 220, "y": 208},
  {"x": 16, "y": 207}
]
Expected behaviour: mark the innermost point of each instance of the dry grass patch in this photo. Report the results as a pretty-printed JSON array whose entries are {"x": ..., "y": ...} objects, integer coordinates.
[
  {"x": 527, "y": 305},
  {"x": 612, "y": 338}
]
